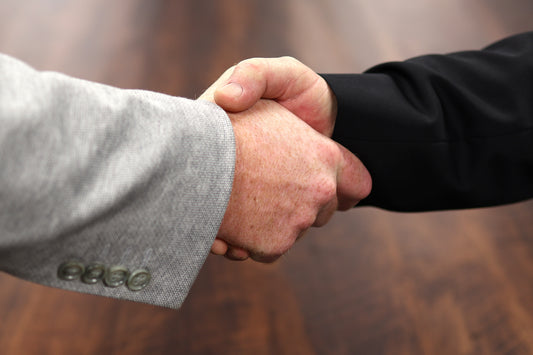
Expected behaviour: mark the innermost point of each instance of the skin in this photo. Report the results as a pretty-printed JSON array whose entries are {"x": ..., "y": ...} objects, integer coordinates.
[
  {"x": 289, "y": 176},
  {"x": 285, "y": 80}
]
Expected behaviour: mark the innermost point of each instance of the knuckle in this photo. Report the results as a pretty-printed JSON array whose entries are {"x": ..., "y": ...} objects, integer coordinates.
[
  {"x": 330, "y": 153},
  {"x": 303, "y": 221},
  {"x": 307, "y": 222},
  {"x": 231, "y": 69},
  {"x": 326, "y": 191},
  {"x": 251, "y": 64},
  {"x": 290, "y": 59}
]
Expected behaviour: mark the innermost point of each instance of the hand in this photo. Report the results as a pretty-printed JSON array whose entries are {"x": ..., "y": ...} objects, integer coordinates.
[
  {"x": 292, "y": 85},
  {"x": 287, "y": 178},
  {"x": 287, "y": 81}
]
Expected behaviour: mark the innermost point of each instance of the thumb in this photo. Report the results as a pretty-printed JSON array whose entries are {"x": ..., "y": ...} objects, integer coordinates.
[
  {"x": 256, "y": 78},
  {"x": 353, "y": 180}
]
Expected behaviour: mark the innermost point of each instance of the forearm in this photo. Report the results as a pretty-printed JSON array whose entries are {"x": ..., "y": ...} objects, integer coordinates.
[
  {"x": 99, "y": 174},
  {"x": 443, "y": 131}
]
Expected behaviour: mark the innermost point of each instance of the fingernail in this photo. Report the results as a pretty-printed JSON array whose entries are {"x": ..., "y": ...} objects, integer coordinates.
[{"x": 232, "y": 89}]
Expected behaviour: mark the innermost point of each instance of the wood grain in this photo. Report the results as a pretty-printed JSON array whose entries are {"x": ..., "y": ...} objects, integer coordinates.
[{"x": 370, "y": 282}]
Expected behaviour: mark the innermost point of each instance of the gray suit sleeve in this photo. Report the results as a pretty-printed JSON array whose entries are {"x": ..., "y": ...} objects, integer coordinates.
[{"x": 120, "y": 191}]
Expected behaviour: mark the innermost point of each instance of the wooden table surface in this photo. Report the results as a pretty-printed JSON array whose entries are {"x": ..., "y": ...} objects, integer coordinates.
[{"x": 370, "y": 282}]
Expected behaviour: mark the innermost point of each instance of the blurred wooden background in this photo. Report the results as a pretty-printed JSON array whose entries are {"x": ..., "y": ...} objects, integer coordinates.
[{"x": 371, "y": 282}]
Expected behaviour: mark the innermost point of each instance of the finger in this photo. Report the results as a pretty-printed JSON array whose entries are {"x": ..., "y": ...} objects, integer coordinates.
[
  {"x": 238, "y": 254},
  {"x": 219, "y": 247},
  {"x": 256, "y": 78},
  {"x": 353, "y": 180},
  {"x": 265, "y": 259}
]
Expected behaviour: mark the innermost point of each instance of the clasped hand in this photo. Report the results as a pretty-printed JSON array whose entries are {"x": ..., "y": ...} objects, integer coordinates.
[{"x": 289, "y": 175}]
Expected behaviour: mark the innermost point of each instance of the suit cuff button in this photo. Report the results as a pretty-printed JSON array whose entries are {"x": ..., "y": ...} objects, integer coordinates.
[
  {"x": 116, "y": 276},
  {"x": 138, "y": 280},
  {"x": 93, "y": 273},
  {"x": 70, "y": 270}
]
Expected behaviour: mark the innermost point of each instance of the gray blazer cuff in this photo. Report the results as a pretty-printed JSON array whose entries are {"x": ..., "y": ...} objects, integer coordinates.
[{"x": 132, "y": 182}]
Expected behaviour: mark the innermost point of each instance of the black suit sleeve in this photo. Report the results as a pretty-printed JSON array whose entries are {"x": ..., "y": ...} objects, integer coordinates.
[{"x": 443, "y": 131}]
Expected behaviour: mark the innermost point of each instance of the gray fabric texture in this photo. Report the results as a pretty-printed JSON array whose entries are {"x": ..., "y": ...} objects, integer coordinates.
[{"x": 99, "y": 174}]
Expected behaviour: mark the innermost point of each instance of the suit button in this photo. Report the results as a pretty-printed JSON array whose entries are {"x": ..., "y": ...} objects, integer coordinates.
[
  {"x": 116, "y": 276},
  {"x": 138, "y": 280},
  {"x": 93, "y": 273},
  {"x": 70, "y": 270}
]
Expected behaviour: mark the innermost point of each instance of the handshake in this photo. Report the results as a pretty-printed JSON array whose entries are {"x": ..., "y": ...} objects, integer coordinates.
[{"x": 289, "y": 175}]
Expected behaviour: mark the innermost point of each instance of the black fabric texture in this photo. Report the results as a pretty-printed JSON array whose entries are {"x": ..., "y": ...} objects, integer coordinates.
[{"x": 443, "y": 132}]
